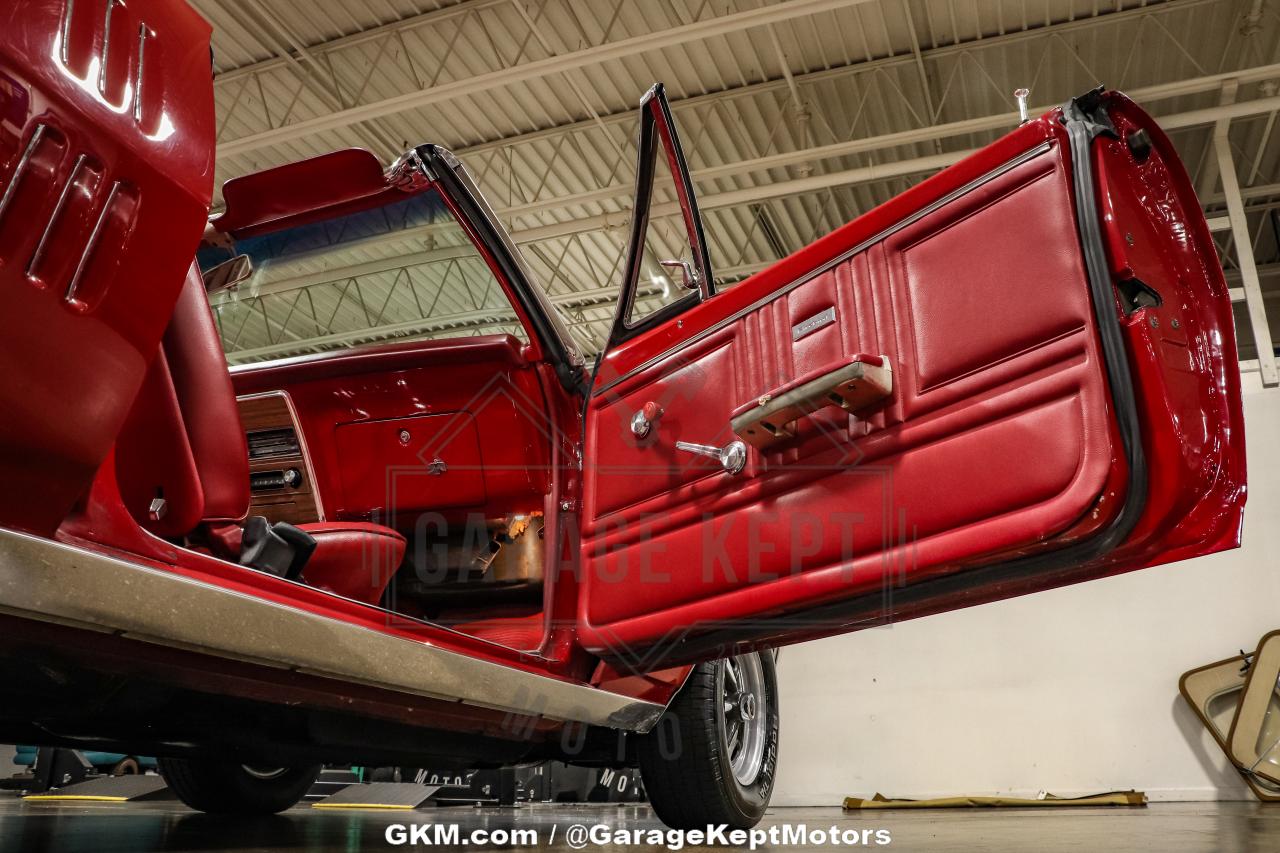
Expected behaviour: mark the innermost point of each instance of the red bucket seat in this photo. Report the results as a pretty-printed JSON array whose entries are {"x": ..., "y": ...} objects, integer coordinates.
[{"x": 184, "y": 443}]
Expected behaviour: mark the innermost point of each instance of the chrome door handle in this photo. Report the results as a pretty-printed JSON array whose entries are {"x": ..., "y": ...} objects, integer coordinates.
[{"x": 732, "y": 457}]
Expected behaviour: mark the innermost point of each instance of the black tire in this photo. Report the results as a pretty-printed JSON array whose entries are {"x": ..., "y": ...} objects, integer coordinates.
[
  {"x": 685, "y": 762},
  {"x": 226, "y": 787},
  {"x": 127, "y": 766}
]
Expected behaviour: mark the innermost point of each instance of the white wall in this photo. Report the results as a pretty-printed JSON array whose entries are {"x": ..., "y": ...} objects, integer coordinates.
[{"x": 1071, "y": 691}]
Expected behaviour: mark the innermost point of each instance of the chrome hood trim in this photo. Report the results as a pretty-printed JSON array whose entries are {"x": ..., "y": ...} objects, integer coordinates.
[{"x": 55, "y": 582}]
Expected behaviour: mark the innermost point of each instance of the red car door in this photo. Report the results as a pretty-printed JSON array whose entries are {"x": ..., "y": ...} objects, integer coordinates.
[
  {"x": 106, "y": 174},
  {"x": 1019, "y": 374}
]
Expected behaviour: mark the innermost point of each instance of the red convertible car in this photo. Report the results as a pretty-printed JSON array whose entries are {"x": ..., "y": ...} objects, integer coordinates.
[{"x": 481, "y": 550}]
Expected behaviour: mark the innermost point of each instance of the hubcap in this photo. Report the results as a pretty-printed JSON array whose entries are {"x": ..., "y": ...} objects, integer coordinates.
[{"x": 744, "y": 715}]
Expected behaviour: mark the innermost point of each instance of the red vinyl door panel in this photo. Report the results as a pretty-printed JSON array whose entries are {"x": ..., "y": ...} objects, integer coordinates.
[{"x": 998, "y": 442}]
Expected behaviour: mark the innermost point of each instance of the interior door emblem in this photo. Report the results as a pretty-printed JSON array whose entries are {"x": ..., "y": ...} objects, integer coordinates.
[{"x": 813, "y": 324}]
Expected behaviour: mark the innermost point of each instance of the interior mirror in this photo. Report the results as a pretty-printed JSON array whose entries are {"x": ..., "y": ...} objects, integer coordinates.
[
  {"x": 227, "y": 275},
  {"x": 1254, "y": 739},
  {"x": 1214, "y": 692}
]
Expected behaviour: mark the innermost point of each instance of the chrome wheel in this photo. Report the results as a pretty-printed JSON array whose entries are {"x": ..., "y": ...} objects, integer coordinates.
[
  {"x": 712, "y": 758},
  {"x": 743, "y": 714},
  {"x": 264, "y": 772}
]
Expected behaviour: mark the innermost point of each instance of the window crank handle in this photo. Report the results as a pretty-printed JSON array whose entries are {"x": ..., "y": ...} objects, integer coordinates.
[{"x": 732, "y": 457}]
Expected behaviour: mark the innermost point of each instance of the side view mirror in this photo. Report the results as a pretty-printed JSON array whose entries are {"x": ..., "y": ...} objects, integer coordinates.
[
  {"x": 227, "y": 275},
  {"x": 690, "y": 280}
]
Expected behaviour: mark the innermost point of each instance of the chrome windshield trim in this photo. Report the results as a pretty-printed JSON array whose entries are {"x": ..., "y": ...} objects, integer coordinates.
[
  {"x": 564, "y": 338},
  {"x": 64, "y": 584}
]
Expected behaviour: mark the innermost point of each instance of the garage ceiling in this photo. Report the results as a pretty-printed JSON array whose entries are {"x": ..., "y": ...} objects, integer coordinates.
[{"x": 796, "y": 116}]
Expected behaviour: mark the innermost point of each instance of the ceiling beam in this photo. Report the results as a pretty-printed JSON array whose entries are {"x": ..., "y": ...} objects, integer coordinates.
[
  {"x": 981, "y": 124},
  {"x": 307, "y": 69},
  {"x": 597, "y": 297},
  {"x": 628, "y": 115},
  {"x": 842, "y": 71},
  {"x": 605, "y": 121},
  {"x": 537, "y": 69},
  {"x": 915, "y": 165},
  {"x": 600, "y": 297},
  {"x": 426, "y": 19},
  {"x": 777, "y": 189}
]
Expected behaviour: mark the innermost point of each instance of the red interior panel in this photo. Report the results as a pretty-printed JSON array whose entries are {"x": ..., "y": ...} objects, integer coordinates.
[
  {"x": 209, "y": 412},
  {"x": 692, "y": 393},
  {"x": 329, "y": 185},
  {"x": 1000, "y": 441},
  {"x": 473, "y": 402},
  {"x": 989, "y": 278},
  {"x": 388, "y": 462},
  {"x": 154, "y": 459},
  {"x": 996, "y": 437}
]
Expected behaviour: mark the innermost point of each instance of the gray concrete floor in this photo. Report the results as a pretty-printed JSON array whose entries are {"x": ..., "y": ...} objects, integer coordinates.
[{"x": 167, "y": 825}]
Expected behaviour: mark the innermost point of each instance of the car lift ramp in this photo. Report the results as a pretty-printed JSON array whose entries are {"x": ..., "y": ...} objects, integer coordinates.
[
  {"x": 379, "y": 795},
  {"x": 108, "y": 789}
]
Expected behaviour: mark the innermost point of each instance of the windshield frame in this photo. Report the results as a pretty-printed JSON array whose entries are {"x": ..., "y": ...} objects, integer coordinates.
[
  {"x": 446, "y": 171},
  {"x": 431, "y": 168}
]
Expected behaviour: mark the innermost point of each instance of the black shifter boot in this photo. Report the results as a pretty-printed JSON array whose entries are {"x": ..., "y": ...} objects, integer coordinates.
[{"x": 278, "y": 549}]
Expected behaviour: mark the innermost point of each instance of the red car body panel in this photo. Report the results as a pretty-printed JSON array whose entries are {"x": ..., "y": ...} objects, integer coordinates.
[
  {"x": 1001, "y": 443},
  {"x": 107, "y": 172},
  {"x": 955, "y": 325},
  {"x": 338, "y": 182}
]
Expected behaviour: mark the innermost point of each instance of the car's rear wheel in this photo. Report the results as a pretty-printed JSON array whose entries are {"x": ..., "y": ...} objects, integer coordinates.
[
  {"x": 711, "y": 758},
  {"x": 227, "y": 787}
]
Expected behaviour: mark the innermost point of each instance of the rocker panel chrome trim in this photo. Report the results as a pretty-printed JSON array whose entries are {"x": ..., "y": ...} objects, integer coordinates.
[{"x": 55, "y": 582}]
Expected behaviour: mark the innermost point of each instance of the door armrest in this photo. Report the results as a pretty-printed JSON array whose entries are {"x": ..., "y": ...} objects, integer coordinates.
[{"x": 853, "y": 384}]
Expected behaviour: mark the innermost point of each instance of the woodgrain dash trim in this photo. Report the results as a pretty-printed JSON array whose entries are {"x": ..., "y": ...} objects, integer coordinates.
[{"x": 252, "y": 424}]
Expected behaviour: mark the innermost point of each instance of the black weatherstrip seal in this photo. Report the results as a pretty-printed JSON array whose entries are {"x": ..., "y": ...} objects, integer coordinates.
[{"x": 1085, "y": 118}]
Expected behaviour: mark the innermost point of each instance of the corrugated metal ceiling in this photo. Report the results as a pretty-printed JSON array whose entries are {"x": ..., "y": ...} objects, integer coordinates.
[{"x": 538, "y": 99}]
